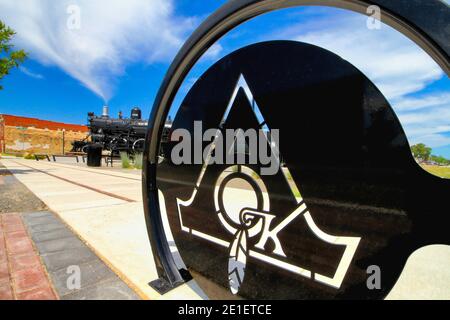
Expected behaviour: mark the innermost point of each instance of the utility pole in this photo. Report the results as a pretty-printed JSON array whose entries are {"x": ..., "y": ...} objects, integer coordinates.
[
  {"x": 63, "y": 142},
  {"x": 22, "y": 131}
]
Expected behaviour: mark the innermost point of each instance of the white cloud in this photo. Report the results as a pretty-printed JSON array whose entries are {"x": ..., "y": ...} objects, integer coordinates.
[
  {"x": 187, "y": 85},
  {"x": 397, "y": 66},
  {"x": 429, "y": 125},
  {"x": 423, "y": 102},
  {"x": 417, "y": 132},
  {"x": 432, "y": 140},
  {"x": 30, "y": 73},
  {"x": 113, "y": 34},
  {"x": 213, "y": 52},
  {"x": 426, "y": 118},
  {"x": 394, "y": 63},
  {"x": 433, "y": 118}
]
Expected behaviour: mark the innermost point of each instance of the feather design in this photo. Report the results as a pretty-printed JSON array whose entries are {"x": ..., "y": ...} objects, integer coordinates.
[{"x": 237, "y": 260}]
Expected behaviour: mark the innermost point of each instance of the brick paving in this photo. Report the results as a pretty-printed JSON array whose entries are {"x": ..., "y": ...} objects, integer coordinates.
[
  {"x": 39, "y": 253},
  {"x": 36, "y": 252},
  {"x": 61, "y": 250},
  {"x": 22, "y": 274}
]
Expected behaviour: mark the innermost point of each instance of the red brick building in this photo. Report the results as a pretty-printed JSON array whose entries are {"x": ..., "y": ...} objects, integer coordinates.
[{"x": 19, "y": 135}]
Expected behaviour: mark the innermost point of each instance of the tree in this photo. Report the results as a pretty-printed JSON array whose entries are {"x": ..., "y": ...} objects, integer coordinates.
[
  {"x": 8, "y": 58},
  {"x": 440, "y": 160},
  {"x": 421, "y": 152}
]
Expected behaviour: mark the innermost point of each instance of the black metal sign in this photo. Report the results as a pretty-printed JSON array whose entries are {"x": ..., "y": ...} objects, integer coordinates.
[{"x": 330, "y": 191}]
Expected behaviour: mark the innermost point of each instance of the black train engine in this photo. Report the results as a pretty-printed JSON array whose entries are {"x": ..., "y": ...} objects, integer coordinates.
[
  {"x": 118, "y": 135},
  {"x": 115, "y": 135}
]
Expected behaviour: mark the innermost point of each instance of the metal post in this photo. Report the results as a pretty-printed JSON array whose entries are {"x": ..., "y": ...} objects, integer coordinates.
[{"x": 63, "y": 142}]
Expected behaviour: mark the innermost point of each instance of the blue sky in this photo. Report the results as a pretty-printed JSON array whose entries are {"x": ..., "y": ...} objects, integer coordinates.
[{"x": 123, "y": 49}]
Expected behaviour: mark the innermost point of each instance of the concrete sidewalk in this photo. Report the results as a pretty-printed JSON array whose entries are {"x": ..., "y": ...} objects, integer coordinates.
[
  {"x": 41, "y": 258},
  {"x": 104, "y": 208}
]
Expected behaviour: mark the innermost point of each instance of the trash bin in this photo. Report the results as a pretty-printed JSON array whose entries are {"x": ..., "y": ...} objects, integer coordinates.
[{"x": 94, "y": 155}]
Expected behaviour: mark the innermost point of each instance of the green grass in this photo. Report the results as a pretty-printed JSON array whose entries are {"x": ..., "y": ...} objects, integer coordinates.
[
  {"x": 443, "y": 172},
  {"x": 133, "y": 162},
  {"x": 28, "y": 156},
  {"x": 11, "y": 155},
  {"x": 138, "y": 160},
  {"x": 126, "y": 164}
]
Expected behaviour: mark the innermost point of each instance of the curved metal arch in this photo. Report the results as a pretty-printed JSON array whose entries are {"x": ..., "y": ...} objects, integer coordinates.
[{"x": 406, "y": 16}]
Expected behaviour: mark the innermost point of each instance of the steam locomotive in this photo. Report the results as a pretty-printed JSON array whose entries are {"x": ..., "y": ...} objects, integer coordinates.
[{"x": 115, "y": 135}]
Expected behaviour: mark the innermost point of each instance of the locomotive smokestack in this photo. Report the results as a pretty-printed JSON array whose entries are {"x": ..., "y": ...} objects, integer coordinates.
[
  {"x": 105, "y": 111},
  {"x": 136, "y": 113}
]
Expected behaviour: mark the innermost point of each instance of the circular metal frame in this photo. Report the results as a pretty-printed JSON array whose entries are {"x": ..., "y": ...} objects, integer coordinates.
[{"x": 406, "y": 16}]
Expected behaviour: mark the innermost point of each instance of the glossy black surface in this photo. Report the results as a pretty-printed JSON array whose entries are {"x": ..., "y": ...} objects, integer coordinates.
[
  {"x": 425, "y": 22},
  {"x": 346, "y": 151}
]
